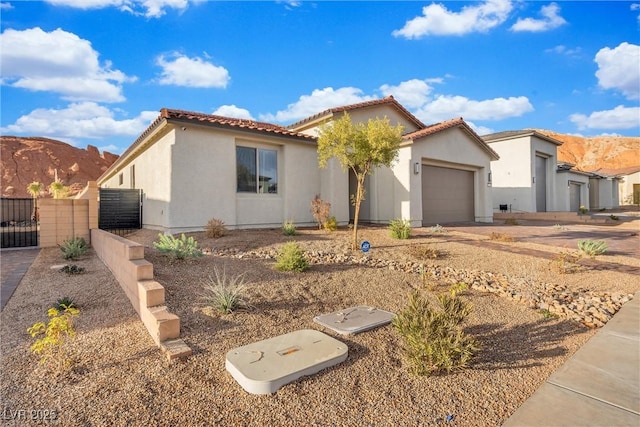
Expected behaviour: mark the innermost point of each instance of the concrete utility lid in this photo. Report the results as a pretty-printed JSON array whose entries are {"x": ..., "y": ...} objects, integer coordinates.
[
  {"x": 265, "y": 366},
  {"x": 354, "y": 319}
]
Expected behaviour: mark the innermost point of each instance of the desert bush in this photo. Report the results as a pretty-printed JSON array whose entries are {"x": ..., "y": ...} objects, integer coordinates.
[
  {"x": 291, "y": 258},
  {"x": 65, "y": 302},
  {"x": 582, "y": 210},
  {"x": 547, "y": 314},
  {"x": 614, "y": 217},
  {"x": 458, "y": 288},
  {"x": 224, "y": 293},
  {"x": 400, "y": 229},
  {"x": 501, "y": 237},
  {"x": 437, "y": 229},
  {"x": 215, "y": 228},
  {"x": 559, "y": 227},
  {"x": 179, "y": 248},
  {"x": 592, "y": 247},
  {"x": 424, "y": 252},
  {"x": 289, "y": 228},
  {"x": 433, "y": 340},
  {"x": 511, "y": 221},
  {"x": 74, "y": 248},
  {"x": 320, "y": 210},
  {"x": 50, "y": 345},
  {"x": 72, "y": 269},
  {"x": 331, "y": 224},
  {"x": 566, "y": 262}
]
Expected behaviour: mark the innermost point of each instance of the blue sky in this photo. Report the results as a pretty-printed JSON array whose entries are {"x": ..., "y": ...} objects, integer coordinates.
[{"x": 98, "y": 71}]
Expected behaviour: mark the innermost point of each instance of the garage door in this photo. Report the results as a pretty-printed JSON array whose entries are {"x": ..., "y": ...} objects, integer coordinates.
[
  {"x": 574, "y": 197},
  {"x": 447, "y": 195}
]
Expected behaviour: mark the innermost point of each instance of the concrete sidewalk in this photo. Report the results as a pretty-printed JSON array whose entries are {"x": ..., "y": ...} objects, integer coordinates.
[
  {"x": 598, "y": 386},
  {"x": 14, "y": 264}
]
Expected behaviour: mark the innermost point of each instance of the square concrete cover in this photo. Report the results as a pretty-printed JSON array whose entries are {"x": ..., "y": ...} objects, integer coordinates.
[
  {"x": 265, "y": 366},
  {"x": 354, "y": 319}
]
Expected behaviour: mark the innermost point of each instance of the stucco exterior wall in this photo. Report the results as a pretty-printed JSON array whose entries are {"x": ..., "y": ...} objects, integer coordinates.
[
  {"x": 455, "y": 149},
  {"x": 513, "y": 175},
  {"x": 563, "y": 180},
  {"x": 334, "y": 188},
  {"x": 625, "y": 188},
  {"x": 603, "y": 193}
]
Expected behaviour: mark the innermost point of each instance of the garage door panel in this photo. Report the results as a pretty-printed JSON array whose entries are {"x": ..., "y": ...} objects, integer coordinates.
[{"x": 447, "y": 195}]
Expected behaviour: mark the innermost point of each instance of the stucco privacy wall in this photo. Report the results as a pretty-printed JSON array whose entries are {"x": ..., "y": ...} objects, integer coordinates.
[
  {"x": 603, "y": 193},
  {"x": 626, "y": 189},
  {"x": 126, "y": 261},
  {"x": 63, "y": 219}
]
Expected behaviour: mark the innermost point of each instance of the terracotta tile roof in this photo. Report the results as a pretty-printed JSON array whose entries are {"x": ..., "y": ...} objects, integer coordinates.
[
  {"x": 448, "y": 124},
  {"x": 609, "y": 172},
  {"x": 167, "y": 114},
  {"x": 366, "y": 104},
  {"x": 510, "y": 134}
]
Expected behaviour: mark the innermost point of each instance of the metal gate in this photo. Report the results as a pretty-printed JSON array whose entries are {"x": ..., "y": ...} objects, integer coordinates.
[
  {"x": 120, "y": 210},
  {"x": 19, "y": 222}
]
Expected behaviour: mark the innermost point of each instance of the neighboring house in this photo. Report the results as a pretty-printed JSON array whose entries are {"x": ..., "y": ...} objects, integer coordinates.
[
  {"x": 193, "y": 167},
  {"x": 572, "y": 190},
  {"x": 525, "y": 178},
  {"x": 603, "y": 191},
  {"x": 628, "y": 183}
]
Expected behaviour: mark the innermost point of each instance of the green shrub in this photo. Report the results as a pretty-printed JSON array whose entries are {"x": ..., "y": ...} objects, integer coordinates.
[
  {"x": 179, "y": 248},
  {"x": 72, "y": 269},
  {"x": 331, "y": 224},
  {"x": 50, "y": 345},
  {"x": 289, "y": 228},
  {"x": 63, "y": 303},
  {"x": 74, "y": 248},
  {"x": 291, "y": 258},
  {"x": 582, "y": 210},
  {"x": 511, "y": 221},
  {"x": 224, "y": 293},
  {"x": 614, "y": 217},
  {"x": 433, "y": 340},
  {"x": 400, "y": 228},
  {"x": 592, "y": 247},
  {"x": 547, "y": 314},
  {"x": 215, "y": 228}
]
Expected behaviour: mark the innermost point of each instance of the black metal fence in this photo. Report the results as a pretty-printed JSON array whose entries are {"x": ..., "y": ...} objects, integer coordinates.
[
  {"x": 19, "y": 222},
  {"x": 120, "y": 210}
]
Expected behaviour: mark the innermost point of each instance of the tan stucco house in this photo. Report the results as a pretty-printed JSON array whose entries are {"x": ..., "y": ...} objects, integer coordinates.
[
  {"x": 193, "y": 167},
  {"x": 628, "y": 181}
]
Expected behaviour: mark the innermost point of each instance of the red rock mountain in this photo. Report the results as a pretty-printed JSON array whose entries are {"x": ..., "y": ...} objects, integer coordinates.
[
  {"x": 600, "y": 152},
  {"x": 28, "y": 159}
]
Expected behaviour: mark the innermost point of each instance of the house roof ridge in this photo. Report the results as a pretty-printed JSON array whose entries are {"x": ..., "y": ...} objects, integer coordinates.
[
  {"x": 364, "y": 104},
  {"x": 522, "y": 132}
]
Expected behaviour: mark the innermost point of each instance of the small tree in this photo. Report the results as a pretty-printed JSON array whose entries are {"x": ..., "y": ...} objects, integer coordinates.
[
  {"x": 359, "y": 147},
  {"x": 35, "y": 189},
  {"x": 58, "y": 190}
]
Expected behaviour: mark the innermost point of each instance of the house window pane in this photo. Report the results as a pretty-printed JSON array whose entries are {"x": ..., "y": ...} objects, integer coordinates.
[
  {"x": 246, "y": 169},
  {"x": 268, "y": 167}
]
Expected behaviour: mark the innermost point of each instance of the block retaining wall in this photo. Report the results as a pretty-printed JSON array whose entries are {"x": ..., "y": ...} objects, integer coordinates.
[{"x": 126, "y": 261}]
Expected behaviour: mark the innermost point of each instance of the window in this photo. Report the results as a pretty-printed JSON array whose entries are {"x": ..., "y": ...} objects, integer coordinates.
[
  {"x": 120, "y": 179},
  {"x": 257, "y": 170},
  {"x": 133, "y": 176}
]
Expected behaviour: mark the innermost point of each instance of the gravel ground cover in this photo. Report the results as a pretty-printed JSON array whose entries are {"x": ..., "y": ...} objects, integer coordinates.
[{"x": 119, "y": 376}]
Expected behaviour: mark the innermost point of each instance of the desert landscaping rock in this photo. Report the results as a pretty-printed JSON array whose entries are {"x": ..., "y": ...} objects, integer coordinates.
[{"x": 120, "y": 378}]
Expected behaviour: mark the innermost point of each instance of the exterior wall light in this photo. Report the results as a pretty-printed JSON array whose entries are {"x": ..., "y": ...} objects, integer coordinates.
[
  {"x": 489, "y": 179},
  {"x": 416, "y": 168}
]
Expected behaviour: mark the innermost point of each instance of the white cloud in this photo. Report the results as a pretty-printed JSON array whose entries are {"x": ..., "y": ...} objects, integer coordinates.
[
  {"x": 79, "y": 120},
  {"x": 436, "y": 19},
  {"x": 411, "y": 93},
  {"x": 319, "y": 100},
  {"x": 618, "y": 69},
  {"x": 148, "y": 8},
  {"x": 6, "y": 6},
  {"x": 59, "y": 62},
  {"x": 445, "y": 107},
  {"x": 563, "y": 50},
  {"x": 550, "y": 20},
  {"x": 620, "y": 117},
  {"x": 635, "y": 7},
  {"x": 480, "y": 130},
  {"x": 180, "y": 70},
  {"x": 233, "y": 111}
]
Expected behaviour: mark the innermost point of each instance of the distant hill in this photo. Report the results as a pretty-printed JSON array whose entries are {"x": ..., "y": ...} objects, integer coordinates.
[
  {"x": 28, "y": 159},
  {"x": 600, "y": 152}
]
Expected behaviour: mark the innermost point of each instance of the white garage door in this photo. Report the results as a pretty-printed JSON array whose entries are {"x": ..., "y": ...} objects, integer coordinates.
[{"x": 447, "y": 195}]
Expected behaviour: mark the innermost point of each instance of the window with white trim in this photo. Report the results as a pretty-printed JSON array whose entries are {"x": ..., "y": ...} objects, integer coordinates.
[{"x": 256, "y": 170}]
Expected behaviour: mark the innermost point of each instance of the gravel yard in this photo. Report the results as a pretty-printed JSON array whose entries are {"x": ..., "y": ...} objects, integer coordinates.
[{"x": 120, "y": 377}]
